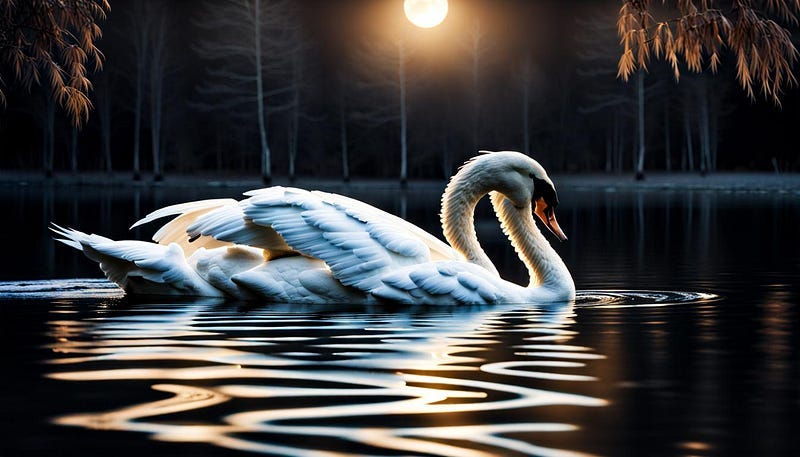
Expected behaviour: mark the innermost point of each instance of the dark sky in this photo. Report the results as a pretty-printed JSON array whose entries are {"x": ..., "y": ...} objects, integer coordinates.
[{"x": 552, "y": 32}]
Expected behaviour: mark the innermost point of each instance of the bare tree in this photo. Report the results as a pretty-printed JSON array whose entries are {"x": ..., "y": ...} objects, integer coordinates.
[
  {"x": 49, "y": 143},
  {"x": 139, "y": 34},
  {"x": 597, "y": 44},
  {"x": 103, "y": 102},
  {"x": 478, "y": 46},
  {"x": 57, "y": 39},
  {"x": 697, "y": 30},
  {"x": 158, "y": 70},
  {"x": 243, "y": 46},
  {"x": 384, "y": 77},
  {"x": 343, "y": 116},
  {"x": 526, "y": 80},
  {"x": 640, "y": 115},
  {"x": 294, "y": 46},
  {"x": 73, "y": 149}
]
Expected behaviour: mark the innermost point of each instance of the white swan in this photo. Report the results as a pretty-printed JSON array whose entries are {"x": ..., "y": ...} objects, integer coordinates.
[{"x": 292, "y": 245}]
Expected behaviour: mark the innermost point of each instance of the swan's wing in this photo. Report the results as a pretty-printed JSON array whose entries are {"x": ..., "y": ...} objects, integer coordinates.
[
  {"x": 230, "y": 224},
  {"x": 358, "y": 250},
  {"x": 212, "y": 224},
  {"x": 445, "y": 282},
  {"x": 297, "y": 280},
  {"x": 186, "y": 214},
  {"x": 439, "y": 250},
  {"x": 139, "y": 266}
]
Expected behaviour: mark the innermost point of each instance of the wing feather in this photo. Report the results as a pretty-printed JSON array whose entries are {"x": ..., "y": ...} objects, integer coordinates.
[
  {"x": 139, "y": 266},
  {"x": 443, "y": 282},
  {"x": 438, "y": 250},
  {"x": 358, "y": 245}
]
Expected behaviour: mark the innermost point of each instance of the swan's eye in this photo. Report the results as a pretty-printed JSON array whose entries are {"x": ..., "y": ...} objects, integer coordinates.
[{"x": 530, "y": 175}]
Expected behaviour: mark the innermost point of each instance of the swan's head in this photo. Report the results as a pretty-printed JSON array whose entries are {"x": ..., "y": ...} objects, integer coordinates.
[{"x": 525, "y": 183}]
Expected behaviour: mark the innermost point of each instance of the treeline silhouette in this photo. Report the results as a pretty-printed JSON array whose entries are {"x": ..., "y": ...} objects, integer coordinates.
[{"x": 350, "y": 89}]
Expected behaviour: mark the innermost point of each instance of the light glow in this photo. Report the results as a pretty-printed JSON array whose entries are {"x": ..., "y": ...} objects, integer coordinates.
[{"x": 425, "y": 13}]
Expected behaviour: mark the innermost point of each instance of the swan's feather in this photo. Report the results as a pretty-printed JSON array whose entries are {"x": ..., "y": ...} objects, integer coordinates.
[
  {"x": 358, "y": 248},
  {"x": 140, "y": 267},
  {"x": 444, "y": 282},
  {"x": 298, "y": 280},
  {"x": 218, "y": 266},
  {"x": 174, "y": 231},
  {"x": 438, "y": 249},
  {"x": 230, "y": 225},
  {"x": 183, "y": 209}
]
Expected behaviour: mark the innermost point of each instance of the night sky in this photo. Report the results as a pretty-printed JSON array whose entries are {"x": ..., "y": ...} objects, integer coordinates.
[{"x": 440, "y": 99}]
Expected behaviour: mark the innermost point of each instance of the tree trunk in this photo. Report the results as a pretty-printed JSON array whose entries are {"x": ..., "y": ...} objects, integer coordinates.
[
  {"x": 73, "y": 150},
  {"x": 640, "y": 94},
  {"x": 137, "y": 112},
  {"x": 401, "y": 69},
  {"x": 50, "y": 137},
  {"x": 294, "y": 125},
  {"x": 218, "y": 149},
  {"x": 266, "y": 164},
  {"x": 290, "y": 148},
  {"x": 476, "y": 93},
  {"x": 157, "y": 73},
  {"x": 609, "y": 149},
  {"x": 343, "y": 134},
  {"x": 104, "y": 115},
  {"x": 687, "y": 131},
  {"x": 714, "y": 137},
  {"x": 526, "y": 81},
  {"x": 705, "y": 144},
  {"x": 618, "y": 144},
  {"x": 667, "y": 151}
]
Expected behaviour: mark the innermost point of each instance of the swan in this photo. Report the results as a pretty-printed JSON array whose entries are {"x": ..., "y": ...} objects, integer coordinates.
[{"x": 293, "y": 245}]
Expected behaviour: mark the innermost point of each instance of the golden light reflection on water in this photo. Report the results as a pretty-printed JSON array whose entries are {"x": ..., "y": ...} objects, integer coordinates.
[{"x": 370, "y": 379}]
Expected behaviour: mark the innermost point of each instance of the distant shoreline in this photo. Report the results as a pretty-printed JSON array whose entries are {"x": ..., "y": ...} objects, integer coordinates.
[{"x": 723, "y": 181}]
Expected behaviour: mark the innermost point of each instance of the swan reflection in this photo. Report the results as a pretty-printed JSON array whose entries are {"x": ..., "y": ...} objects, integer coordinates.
[{"x": 338, "y": 381}]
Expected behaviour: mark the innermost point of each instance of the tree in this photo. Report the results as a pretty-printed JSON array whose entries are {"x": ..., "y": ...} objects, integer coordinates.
[
  {"x": 139, "y": 34},
  {"x": 763, "y": 48},
  {"x": 245, "y": 42},
  {"x": 343, "y": 116},
  {"x": 383, "y": 72},
  {"x": 478, "y": 47},
  {"x": 158, "y": 70},
  {"x": 57, "y": 39},
  {"x": 103, "y": 101},
  {"x": 597, "y": 54}
]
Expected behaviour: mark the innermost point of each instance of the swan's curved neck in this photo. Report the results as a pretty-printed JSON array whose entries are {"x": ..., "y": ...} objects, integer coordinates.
[
  {"x": 545, "y": 266},
  {"x": 463, "y": 192}
]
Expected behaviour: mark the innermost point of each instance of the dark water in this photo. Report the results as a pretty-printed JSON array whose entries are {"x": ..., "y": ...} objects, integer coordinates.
[{"x": 684, "y": 340}]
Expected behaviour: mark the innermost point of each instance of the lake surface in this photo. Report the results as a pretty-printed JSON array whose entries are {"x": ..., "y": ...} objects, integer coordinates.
[{"x": 684, "y": 340}]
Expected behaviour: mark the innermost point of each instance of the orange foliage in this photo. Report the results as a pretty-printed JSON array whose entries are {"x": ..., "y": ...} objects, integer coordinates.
[
  {"x": 55, "y": 39},
  {"x": 700, "y": 29}
]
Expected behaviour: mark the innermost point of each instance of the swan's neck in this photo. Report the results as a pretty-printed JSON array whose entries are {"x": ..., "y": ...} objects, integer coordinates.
[
  {"x": 463, "y": 192},
  {"x": 545, "y": 267}
]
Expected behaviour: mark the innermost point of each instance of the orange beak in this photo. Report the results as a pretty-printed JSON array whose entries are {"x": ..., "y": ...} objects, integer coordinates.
[{"x": 548, "y": 217}]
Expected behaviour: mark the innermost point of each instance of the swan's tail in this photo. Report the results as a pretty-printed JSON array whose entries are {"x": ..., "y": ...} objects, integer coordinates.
[{"x": 139, "y": 267}]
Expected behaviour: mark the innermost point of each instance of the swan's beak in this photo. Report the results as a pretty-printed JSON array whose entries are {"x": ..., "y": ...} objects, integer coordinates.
[{"x": 548, "y": 217}]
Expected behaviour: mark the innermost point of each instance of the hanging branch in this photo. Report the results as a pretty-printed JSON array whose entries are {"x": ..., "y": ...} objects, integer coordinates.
[
  {"x": 47, "y": 42},
  {"x": 763, "y": 48}
]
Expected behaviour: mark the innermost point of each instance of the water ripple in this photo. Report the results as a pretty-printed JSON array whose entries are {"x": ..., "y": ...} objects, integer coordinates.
[
  {"x": 348, "y": 382},
  {"x": 640, "y": 298},
  {"x": 465, "y": 382}
]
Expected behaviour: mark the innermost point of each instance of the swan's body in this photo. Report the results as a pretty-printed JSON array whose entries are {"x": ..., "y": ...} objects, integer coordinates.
[{"x": 292, "y": 245}]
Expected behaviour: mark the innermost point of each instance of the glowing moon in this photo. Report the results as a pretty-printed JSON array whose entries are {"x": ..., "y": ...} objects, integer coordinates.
[{"x": 425, "y": 13}]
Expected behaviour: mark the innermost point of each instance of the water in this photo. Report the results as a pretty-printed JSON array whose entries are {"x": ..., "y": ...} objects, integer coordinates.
[{"x": 684, "y": 340}]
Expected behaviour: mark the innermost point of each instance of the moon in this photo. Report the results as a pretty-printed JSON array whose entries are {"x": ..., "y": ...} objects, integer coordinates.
[{"x": 425, "y": 13}]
